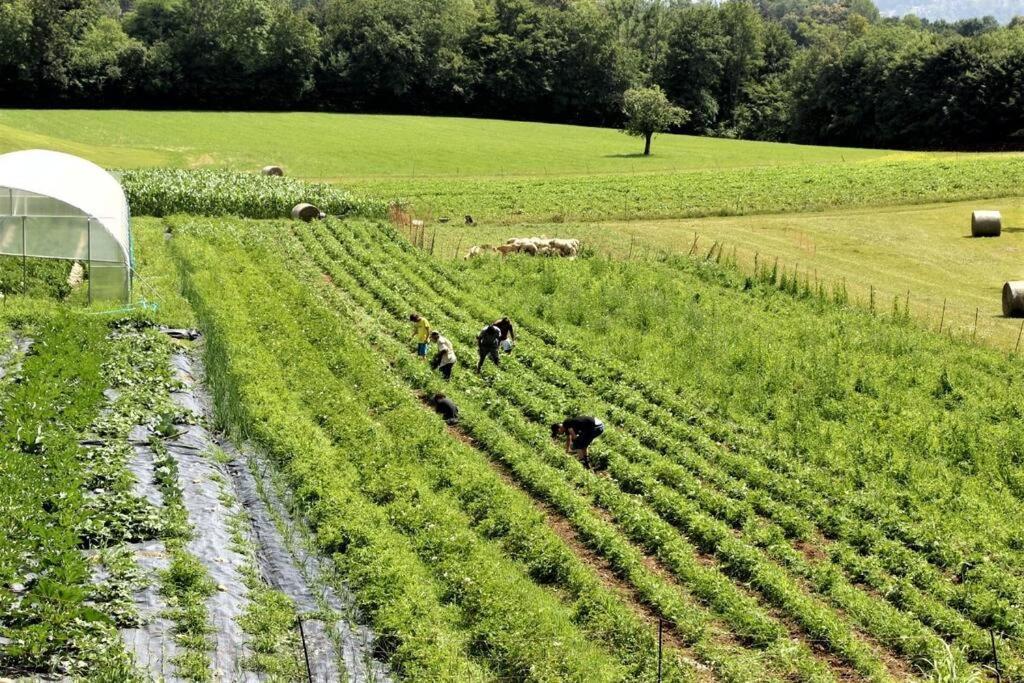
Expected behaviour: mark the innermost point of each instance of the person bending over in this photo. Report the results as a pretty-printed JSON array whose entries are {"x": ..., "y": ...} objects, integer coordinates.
[
  {"x": 487, "y": 343},
  {"x": 446, "y": 408},
  {"x": 579, "y": 433},
  {"x": 444, "y": 360},
  {"x": 508, "y": 334}
]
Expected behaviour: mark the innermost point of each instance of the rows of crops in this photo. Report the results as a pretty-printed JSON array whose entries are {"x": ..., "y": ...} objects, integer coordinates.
[
  {"x": 765, "y": 557},
  {"x": 166, "y": 191},
  {"x": 66, "y": 574},
  {"x": 707, "y": 193}
]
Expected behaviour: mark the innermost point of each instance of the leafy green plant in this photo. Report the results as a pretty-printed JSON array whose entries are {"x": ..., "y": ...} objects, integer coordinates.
[{"x": 165, "y": 191}]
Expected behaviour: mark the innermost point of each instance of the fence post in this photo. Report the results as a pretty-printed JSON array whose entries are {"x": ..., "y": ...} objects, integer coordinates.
[
  {"x": 1018, "y": 336},
  {"x": 943, "y": 318},
  {"x": 974, "y": 335}
]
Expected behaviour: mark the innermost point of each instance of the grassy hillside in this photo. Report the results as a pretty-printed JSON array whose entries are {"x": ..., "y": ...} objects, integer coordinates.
[{"x": 345, "y": 146}]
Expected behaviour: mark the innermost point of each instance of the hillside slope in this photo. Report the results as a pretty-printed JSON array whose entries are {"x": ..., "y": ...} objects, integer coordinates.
[{"x": 346, "y": 146}]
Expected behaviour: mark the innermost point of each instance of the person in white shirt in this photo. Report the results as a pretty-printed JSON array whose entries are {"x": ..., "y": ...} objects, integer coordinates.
[{"x": 444, "y": 361}]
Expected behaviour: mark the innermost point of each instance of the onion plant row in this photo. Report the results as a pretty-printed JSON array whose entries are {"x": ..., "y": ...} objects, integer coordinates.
[
  {"x": 534, "y": 441},
  {"x": 381, "y": 457},
  {"x": 656, "y": 421},
  {"x": 906, "y": 636}
]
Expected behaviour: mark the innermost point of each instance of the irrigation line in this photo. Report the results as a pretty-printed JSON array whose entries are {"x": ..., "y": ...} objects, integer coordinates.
[
  {"x": 305, "y": 652},
  {"x": 660, "y": 638},
  {"x": 995, "y": 656}
]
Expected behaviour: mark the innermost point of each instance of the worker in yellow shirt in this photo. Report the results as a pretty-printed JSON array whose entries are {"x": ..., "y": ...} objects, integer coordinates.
[{"x": 421, "y": 331}]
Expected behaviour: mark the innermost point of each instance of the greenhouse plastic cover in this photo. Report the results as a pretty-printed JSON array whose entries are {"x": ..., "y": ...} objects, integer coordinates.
[{"x": 66, "y": 187}]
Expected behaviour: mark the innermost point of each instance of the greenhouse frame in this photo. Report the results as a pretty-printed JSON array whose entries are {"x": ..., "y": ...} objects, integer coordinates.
[{"x": 59, "y": 206}]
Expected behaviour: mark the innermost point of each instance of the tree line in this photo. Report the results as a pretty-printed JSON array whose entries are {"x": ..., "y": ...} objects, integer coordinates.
[{"x": 815, "y": 71}]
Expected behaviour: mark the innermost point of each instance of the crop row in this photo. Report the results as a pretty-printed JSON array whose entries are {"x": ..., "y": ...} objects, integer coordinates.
[
  {"x": 203, "y": 192},
  {"x": 382, "y": 458},
  {"x": 65, "y": 489},
  {"x": 646, "y": 530},
  {"x": 654, "y": 418},
  {"x": 984, "y": 605},
  {"x": 888, "y": 624},
  {"x": 543, "y": 478},
  {"x": 707, "y": 193}
]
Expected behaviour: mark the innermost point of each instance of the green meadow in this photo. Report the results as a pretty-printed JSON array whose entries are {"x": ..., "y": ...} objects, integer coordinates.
[{"x": 350, "y": 146}]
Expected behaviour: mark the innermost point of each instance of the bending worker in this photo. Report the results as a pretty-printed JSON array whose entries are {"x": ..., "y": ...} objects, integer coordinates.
[
  {"x": 446, "y": 408},
  {"x": 487, "y": 343},
  {"x": 579, "y": 433},
  {"x": 508, "y": 334},
  {"x": 444, "y": 360}
]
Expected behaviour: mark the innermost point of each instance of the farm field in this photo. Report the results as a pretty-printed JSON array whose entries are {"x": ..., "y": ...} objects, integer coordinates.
[
  {"x": 345, "y": 147},
  {"x": 925, "y": 250},
  {"x": 740, "y": 496},
  {"x": 796, "y": 484}
]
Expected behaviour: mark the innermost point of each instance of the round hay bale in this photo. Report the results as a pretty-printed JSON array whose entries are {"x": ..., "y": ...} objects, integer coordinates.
[
  {"x": 1013, "y": 299},
  {"x": 306, "y": 212},
  {"x": 986, "y": 223},
  {"x": 273, "y": 170}
]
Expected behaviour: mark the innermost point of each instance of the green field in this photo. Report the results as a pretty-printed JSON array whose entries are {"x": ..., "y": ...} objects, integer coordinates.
[
  {"x": 344, "y": 147},
  {"x": 924, "y": 250},
  {"x": 798, "y": 482}
]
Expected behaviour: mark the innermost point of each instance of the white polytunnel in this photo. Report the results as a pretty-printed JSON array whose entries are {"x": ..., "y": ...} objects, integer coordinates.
[{"x": 58, "y": 206}]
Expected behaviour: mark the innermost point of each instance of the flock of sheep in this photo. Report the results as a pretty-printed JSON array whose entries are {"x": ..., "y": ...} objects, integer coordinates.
[{"x": 533, "y": 246}]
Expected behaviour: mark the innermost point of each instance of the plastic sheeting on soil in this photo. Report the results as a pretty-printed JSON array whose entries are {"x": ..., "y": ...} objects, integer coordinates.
[
  {"x": 287, "y": 566},
  {"x": 198, "y": 478},
  {"x": 151, "y": 643},
  {"x": 10, "y": 360}
]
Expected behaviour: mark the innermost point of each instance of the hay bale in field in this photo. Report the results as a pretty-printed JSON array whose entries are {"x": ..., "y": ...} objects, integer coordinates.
[
  {"x": 273, "y": 170},
  {"x": 306, "y": 212},
  {"x": 986, "y": 224},
  {"x": 1013, "y": 299}
]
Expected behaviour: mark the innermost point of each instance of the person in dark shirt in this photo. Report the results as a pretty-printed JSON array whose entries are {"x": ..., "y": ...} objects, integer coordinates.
[
  {"x": 487, "y": 343},
  {"x": 446, "y": 408},
  {"x": 508, "y": 334},
  {"x": 579, "y": 433}
]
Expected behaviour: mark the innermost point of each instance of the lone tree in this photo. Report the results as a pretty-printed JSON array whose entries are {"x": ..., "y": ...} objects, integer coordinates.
[{"x": 648, "y": 111}]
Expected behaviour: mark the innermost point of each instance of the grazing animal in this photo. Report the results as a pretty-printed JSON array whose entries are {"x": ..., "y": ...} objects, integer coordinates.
[
  {"x": 479, "y": 250},
  {"x": 532, "y": 246}
]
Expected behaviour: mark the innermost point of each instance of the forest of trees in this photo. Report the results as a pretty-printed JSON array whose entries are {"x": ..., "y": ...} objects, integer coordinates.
[{"x": 818, "y": 71}]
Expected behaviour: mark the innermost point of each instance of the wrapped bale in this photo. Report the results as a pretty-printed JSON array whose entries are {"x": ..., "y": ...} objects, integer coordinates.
[
  {"x": 986, "y": 224},
  {"x": 306, "y": 212},
  {"x": 273, "y": 170},
  {"x": 1013, "y": 299}
]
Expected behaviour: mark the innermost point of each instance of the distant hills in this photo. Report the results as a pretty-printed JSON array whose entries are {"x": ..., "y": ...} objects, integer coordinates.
[{"x": 951, "y": 10}]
